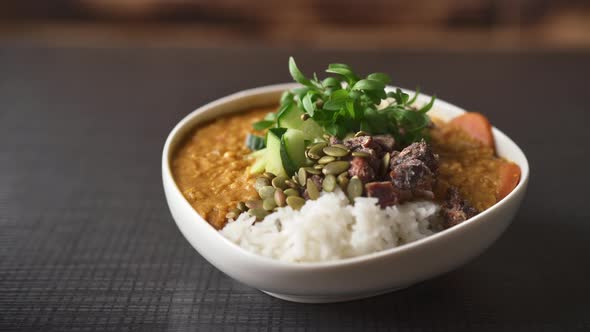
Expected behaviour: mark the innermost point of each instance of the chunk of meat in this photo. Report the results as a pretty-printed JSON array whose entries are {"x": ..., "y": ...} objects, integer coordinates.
[
  {"x": 418, "y": 150},
  {"x": 413, "y": 169},
  {"x": 373, "y": 158},
  {"x": 384, "y": 192},
  {"x": 386, "y": 142},
  {"x": 455, "y": 209},
  {"x": 362, "y": 142},
  {"x": 477, "y": 126},
  {"x": 360, "y": 167},
  {"x": 508, "y": 178},
  {"x": 413, "y": 175},
  {"x": 335, "y": 140}
]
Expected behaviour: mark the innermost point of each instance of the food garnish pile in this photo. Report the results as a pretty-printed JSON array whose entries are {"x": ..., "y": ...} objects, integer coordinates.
[{"x": 347, "y": 132}]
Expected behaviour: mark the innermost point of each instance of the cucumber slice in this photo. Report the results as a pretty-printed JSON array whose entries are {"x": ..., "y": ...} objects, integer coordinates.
[
  {"x": 258, "y": 167},
  {"x": 285, "y": 151},
  {"x": 259, "y": 161},
  {"x": 257, "y": 154},
  {"x": 291, "y": 118},
  {"x": 311, "y": 130},
  {"x": 293, "y": 150},
  {"x": 273, "y": 151},
  {"x": 288, "y": 165}
]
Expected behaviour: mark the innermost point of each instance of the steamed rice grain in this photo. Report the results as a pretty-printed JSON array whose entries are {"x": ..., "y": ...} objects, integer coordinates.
[{"x": 329, "y": 228}]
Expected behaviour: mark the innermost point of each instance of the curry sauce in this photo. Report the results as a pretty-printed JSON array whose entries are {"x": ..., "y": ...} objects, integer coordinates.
[
  {"x": 211, "y": 166},
  {"x": 466, "y": 164}
]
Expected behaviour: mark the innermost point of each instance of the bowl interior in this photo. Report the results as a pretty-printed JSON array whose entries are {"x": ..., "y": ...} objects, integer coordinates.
[{"x": 269, "y": 95}]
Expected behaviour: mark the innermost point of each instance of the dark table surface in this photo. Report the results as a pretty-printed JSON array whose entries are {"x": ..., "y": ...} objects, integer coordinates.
[{"x": 87, "y": 242}]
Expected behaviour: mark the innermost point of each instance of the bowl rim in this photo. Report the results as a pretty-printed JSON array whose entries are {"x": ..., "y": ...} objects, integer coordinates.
[{"x": 275, "y": 88}]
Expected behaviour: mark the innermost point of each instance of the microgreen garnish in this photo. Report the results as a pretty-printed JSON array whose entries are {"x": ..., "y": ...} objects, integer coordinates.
[
  {"x": 263, "y": 124},
  {"x": 267, "y": 122},
  {"x": 346, "y": 103}
]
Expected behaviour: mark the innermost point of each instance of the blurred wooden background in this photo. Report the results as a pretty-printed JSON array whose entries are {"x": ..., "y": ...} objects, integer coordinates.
[{"x": 370, "y": 24}]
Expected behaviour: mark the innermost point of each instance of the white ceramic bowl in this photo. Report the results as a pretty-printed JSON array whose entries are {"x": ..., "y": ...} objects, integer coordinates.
[{"x": 350, "y": 278}]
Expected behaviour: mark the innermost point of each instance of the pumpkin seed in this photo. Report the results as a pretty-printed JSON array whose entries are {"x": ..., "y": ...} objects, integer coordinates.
[
  {"x": 259, "y": 213},
  {"x": 291, "y": 192},
  {"x": 316, "y": 150},
  {"x": 291, "y": 184},
  {"x": 269, "y": 204},
  {"x": 266, "y": 192},
  {"x": 295, "y": 178},
  {"x": 312, "y": 170},
  {"x": 295, "y": 202},
  {"x": 326, "y": 159},
  {"x": 241, "y": 206},
  {"x": 342, "y": 180},
  {"x": 253, "y": 204},
  {"x": 233, "y": 214},
  {"x": 269, "y": 175},
  {"x": 318, "y": 168},
  {"x": 261, "y": 181},
  {"x": 385, "y": 163},
  {"x": 343, "y": 175},
  {"x": 361, "y": 154},
  {"x": 312, "y": 190},
  {"x": 280, "y": 197},
  {"x": 342, "y": 146},
  {"x": 302, "y": 176},
  {"x": 329, "y": 183},
  {"x": 354, "y": 188},
  {"x": 336, "y": 167},
  {"x": 360, "y": 133},
  {"x": 317, "y": 145},
  {"x": 280, "y": 182},
  {"x": 335, "y": 151}
]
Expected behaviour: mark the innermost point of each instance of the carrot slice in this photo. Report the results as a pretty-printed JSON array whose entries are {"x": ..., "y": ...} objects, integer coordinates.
[
  {"x": 477, "y": 126},
  {"x": 508, "y": 178}
]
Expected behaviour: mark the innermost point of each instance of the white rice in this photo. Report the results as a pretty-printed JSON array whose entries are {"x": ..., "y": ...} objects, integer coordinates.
[{"x": 329, "y": 228}]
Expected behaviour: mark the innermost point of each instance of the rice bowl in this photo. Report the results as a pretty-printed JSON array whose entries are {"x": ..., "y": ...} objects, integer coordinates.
[
  {"x": 344, "y": 216},
  {"x": 345, "y": 279}
]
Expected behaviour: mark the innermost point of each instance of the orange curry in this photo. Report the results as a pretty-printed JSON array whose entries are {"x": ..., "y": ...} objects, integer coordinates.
[
  {"x": 471, "y": 166},
  {"x": 211, "y": 168}
]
